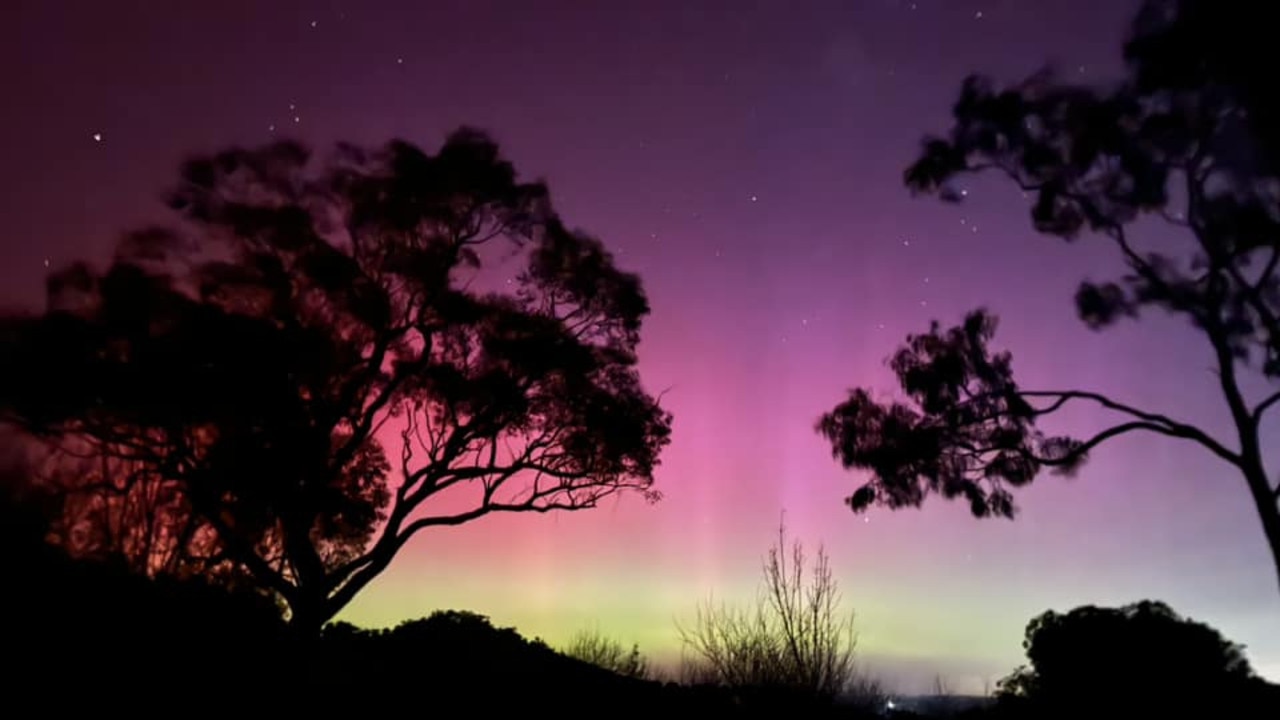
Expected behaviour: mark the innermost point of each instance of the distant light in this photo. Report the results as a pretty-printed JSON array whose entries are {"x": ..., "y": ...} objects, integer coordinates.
[
  {"x": 977, "y": 15},
  {"x": 97, "y": 137},
  {"x": 754, "y": 198},
  {"x": 890, "y": 705}
]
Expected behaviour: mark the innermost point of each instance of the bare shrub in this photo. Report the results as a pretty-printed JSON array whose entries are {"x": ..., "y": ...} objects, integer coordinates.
[
  {"x": 794, "y": 639},
  {"x": 593, "y": 647}
]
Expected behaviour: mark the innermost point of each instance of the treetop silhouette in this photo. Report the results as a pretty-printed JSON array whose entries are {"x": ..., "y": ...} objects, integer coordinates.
[
  {"x": 327, "y": 344},
  {"x": 1139, "y": 659},
  {"x": 1183, "y": 140}
]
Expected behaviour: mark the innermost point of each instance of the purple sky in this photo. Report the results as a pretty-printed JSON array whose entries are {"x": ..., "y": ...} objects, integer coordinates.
[{"x": 746, "y": 159}]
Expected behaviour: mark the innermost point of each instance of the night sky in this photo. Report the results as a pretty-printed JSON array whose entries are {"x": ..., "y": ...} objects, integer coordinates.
[{"x": 746, "y": 159}]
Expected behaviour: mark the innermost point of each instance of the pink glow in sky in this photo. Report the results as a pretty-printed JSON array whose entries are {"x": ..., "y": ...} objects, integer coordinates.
[{"x": 745, "y": 159}]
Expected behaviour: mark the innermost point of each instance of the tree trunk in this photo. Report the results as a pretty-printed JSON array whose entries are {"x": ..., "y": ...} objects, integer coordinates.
[
  {"x": 307, "y": 617},
  {"x": 1268, "y": 511}
]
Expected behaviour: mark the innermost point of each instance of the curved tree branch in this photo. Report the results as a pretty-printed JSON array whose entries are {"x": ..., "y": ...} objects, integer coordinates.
[{"x": 1150, "y": 421}]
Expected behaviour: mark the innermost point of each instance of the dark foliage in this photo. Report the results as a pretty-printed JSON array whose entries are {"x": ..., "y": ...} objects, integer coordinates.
[
  {"x": 970, "y": 435},
  {"x": 1140, "y": 660},
  {"x": 1188, "y": 139},
  {"x": 225, "y": 390}
]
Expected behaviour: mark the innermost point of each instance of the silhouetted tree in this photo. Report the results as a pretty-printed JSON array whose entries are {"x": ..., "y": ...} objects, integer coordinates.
[
  {"x": 1187, "y": 138},
  {"x": 593, "y": 647},
  {"x": 1140, "y": 660},
  {"x": 793, "y": 643},
  {"x": 235, "y": 379}
]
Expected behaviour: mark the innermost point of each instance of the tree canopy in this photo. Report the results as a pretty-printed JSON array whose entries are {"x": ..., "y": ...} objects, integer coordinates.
[
  {"x": 1185, "y": 139},
  {"x": 328, "y": 354},
  {"x": 1139, "y": 657}
]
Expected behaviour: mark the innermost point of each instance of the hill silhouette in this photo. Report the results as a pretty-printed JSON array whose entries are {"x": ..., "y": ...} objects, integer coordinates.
[
  {"x": 88, "y": 635},
  {"x": 92, "y": 635}
]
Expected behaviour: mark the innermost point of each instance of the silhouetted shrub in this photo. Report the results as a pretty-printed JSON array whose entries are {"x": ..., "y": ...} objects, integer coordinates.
[
  {"x": 1140, "y": 660},
  {"x": 794, "y": 647},
  {"x": 593, "y": 647}
]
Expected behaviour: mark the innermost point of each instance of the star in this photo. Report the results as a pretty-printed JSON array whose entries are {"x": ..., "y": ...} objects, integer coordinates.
[
  {"x": 314, "y": 23},
  {"x": 46, "y": 262},
  {"x": 906, "y": 243},
  {"x": 754, "y": 198},
  {"x": 977, "y": 15},
  {"x": 97, "y": 137},
  {"x": 399, "y": 61},
  {"x": 297, "y": 118},
  {"x": 271, "y": 128}
]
